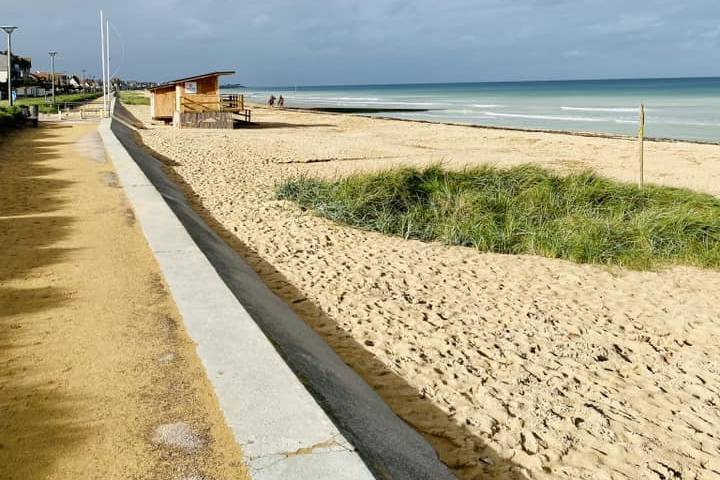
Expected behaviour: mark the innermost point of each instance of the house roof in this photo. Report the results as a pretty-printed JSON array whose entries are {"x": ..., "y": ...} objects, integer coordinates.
[
  {"x": 190, "y": 79},
  {"x": 17, "y": 60},
  {"x": 40, "y": 74},
  {"x": 16, "y": 57}
]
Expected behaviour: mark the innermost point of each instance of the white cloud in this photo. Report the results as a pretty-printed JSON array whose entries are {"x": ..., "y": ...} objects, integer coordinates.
[
  {"x": 194, "y": 28},
  {"x": 626, "y": 24},
  {"x": 261, "y": 19},
  {"x": 574, "y": 53},
  {"x": 376, "y": 41}
]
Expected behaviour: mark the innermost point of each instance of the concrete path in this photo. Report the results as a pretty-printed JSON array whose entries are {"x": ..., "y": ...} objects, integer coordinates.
[{"x": 98, "y": 378}]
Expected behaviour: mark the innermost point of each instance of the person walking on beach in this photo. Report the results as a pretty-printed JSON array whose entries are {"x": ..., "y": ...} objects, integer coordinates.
[
  {"x": 271, "y": 101},
  {"x": 281, "y": 102}
]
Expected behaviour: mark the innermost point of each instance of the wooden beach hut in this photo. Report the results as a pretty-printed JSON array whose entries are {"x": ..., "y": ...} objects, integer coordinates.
[{"x": 197, "y": 102}]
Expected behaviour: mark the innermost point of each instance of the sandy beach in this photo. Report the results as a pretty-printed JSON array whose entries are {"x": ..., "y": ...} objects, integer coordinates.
[{"x": 513, "y": 367}]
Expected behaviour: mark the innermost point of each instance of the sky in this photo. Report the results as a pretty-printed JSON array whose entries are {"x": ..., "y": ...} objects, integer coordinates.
[{"x": 344, "y": 42}]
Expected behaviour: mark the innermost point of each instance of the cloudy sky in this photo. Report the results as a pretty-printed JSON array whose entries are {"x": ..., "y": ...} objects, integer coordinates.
[{"x": 305, "y": 42}]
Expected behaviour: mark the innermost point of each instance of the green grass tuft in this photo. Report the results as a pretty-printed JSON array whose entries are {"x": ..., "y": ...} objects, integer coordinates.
[
  {"x": 525, "y": 210},
  {"x": 134, "y": 98}
]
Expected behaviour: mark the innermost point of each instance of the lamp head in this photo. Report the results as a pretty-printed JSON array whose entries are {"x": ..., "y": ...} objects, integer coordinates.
[
  {"x": 9, "y": 29},
  {"x": 52, "y": 54}
]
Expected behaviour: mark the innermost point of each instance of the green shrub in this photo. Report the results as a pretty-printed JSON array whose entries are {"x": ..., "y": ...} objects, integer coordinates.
[
  {"x": 525, "y": 210},
  {"x": 10, "y": 117},
  {"x": 45, "y": 107}
]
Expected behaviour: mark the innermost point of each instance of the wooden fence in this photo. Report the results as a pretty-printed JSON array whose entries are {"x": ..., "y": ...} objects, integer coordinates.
[{"x": 212, "y": 103}]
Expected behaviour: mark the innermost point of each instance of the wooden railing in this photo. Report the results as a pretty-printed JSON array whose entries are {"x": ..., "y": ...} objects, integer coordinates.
[
  {"x": 232, "y": 102},
  {"x": 229, "y": 103},
  {"x": 212, "y": 103},
  {"x": 199, "y": 103}
]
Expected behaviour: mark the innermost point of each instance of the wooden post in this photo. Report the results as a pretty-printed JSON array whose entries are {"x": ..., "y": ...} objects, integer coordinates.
[{"x": 641, "y": 146}]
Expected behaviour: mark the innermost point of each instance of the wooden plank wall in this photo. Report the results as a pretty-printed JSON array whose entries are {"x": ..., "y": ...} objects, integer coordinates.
[
  {"x": 206, "y": 120},
  {"x": 208, "y": 86},
  {"x": 164, "y": 102},
  {"x": 206, "y": 98},
  {"x": 199, "y": 103}
]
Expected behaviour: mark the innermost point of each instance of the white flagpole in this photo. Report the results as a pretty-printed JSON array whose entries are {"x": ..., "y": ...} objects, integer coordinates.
[
  {"x": 102, "y": 55},
  {"x": 107, "y": 44}
]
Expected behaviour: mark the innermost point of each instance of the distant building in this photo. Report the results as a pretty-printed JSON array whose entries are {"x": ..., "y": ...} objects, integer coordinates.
[
  {"x": 21, "y": 67},
  {"x": 196, "y": 102},
  {"x": 74, "y": 82},
  {"x": 61, "y": 79},
  {"x": 92, "y": 84},
  {"x": 133, "y": 84},
  {"x": 31, "y": 91}
]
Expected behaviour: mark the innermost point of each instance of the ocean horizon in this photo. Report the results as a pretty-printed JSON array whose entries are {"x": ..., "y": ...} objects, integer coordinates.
[{"x": 676, "y": 108}]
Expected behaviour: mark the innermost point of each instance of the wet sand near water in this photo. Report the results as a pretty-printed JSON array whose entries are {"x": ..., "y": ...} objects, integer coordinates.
[{"x": 513, "y": 367}]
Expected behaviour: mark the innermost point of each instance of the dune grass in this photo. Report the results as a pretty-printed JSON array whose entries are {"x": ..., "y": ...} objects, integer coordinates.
[
  {"x": 525, "y": 210},
  {"x": 134, "y": 98}
]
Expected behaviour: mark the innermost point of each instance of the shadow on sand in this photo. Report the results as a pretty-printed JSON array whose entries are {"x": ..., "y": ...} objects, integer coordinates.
[
  {"x": 268, "y": 125},
  {"x": 467, "y": 455},
  {"x": 36, "y": 421}
]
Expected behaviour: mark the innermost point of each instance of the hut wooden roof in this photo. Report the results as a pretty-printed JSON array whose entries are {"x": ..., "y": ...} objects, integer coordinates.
[{"x": 190, "y": 79}]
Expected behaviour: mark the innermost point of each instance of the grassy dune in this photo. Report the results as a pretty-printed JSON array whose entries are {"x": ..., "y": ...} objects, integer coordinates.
[
  {"x": 134, "y": 98},
  {"x": 525, "y": 210}
]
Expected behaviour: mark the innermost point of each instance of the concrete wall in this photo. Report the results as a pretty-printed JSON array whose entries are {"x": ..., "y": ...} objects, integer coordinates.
[{"x": 273, "y": 374}]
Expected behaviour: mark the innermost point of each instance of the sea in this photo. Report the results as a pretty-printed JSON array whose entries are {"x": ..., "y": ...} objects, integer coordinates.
[{"x": 675, "y": 108}]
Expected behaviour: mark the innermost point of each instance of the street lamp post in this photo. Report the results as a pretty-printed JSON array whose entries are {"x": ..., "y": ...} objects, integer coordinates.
[
  {"x": 9, "y": 30},
  {"x": 52, "y": 72}
]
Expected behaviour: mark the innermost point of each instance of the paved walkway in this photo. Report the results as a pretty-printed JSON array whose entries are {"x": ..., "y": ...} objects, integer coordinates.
[{"x": 98, "y": 378}]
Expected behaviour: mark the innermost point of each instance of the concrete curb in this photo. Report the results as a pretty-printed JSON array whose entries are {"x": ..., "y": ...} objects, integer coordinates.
[
  {"x": 282, "y": 430},
  {"x": 388, "y": 446}
]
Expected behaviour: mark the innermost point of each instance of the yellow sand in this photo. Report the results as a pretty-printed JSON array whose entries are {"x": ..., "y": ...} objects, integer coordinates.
[
  {"x": 93, "y": 354},
  {"x": 512, "y": 366}
]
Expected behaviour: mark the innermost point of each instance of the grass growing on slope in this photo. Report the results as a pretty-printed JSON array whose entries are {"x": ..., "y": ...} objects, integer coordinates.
[
  {"x": 525, "y": 210},
  {"x": 134, "y": 98}
]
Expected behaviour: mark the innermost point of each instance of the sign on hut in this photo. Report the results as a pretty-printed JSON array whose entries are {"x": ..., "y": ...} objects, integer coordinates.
[{"x": 196, "y": 102}]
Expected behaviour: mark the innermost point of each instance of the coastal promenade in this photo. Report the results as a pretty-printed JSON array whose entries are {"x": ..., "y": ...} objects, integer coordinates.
[
  {"x": 98, "y": 378},
  {"x": 160, "y": 306},
  {"x": 127, "y": 339}
]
